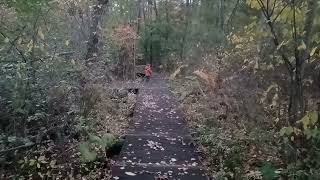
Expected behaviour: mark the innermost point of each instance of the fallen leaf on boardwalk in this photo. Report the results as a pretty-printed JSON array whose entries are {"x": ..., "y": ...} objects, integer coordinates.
[
  {"x": 173, "y": 160},
  {"x": 130, "y": 174},
  {"x": 155, "y": 145}
]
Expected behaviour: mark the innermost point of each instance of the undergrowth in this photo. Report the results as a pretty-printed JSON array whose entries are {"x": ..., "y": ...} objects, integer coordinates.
[
  {"x": 235, "y": 147},
  {"x": 82, "y": 149}
]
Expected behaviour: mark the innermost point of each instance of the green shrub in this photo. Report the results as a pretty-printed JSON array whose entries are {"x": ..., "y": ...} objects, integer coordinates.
[
  {"x": 302, "y": 147},
  {"x": 89, "y": 150}
]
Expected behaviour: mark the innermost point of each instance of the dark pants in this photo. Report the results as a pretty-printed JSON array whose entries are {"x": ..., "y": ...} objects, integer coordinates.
[{"x": 147, "y": 78}]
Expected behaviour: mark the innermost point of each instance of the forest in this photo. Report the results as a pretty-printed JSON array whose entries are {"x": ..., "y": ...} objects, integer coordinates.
[{"x": 245, "y": 73}]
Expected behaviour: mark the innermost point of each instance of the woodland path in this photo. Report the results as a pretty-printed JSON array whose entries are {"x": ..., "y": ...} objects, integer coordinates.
[{"x": 158, "y": 145}]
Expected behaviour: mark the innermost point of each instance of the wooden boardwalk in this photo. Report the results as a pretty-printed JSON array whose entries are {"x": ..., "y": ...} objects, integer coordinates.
[{"x": 158, "y": 144}]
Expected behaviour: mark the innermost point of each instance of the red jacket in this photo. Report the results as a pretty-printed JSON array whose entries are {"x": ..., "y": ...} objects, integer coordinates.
[{"x": 148, "y": 71}]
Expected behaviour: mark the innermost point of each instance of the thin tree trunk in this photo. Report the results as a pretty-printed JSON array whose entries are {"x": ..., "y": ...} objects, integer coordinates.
[
  {"x": 184, "y": 36},
  {"x": 155, "y": 9},
  {"x": 139, "y": 16},
  {"x": 151, "y": 35},
  {"x": 301, "y": 56},
  {"x": 167, "y": 21},
  {"x": 145, "y": 31},
  {"x": 221, "y": 15},
  {"x": 151, "y": 47},
  {"x": 230, "y": 19},
  {"x": 94, "y": 35}
]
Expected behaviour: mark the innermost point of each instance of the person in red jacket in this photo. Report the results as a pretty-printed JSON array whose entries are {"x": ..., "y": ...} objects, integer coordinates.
[{"x": 148, "y": 72}]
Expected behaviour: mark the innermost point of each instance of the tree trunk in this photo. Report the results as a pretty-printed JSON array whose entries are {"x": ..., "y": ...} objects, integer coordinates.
[
  {"x": 167, "y": 21},
  {"x": 139, "y": 16},
  {"x": 151, "y": 35},
  {"x": 297, "y": 110},
  {"x": 232, "y": 15},
  {"x": 94, "y": 35},
  {"x": 145, "y": 32},
  {"x": 155, "y": 9},
  {"x": 184, "y": 35},
  {"x": 221, "y": 15},
  {"x": 151, "y": 48}
]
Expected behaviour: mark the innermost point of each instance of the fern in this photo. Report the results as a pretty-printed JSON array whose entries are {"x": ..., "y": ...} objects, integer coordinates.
[
  {"x": 107, "y": 141},
  {"x": 86, "y": 154},
  {"x": 268, "y": 172}
]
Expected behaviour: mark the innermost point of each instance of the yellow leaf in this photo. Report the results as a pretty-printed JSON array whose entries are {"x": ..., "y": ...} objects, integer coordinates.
[
  {"x": 238, "y": 46},
  {"x": 313, "y": 51},
  {"x": 305, "y": 121},
  {"x": 296, "y": 131},
  {"x": 41, "y": 175},
  {"x": 292, "y": 138},
  {"x": 253, "y": 4},
  {"x": 6, "y": 40},
  {"x": 302, "y": 46},
  {"x": 21, "y": 161},
  {"x": 286, "y": 131},
  {"x": 53, "y": 163},
  {"x": 41, "y": 158},
  {"x": 40, "y": 33},
  {"x": 311, "y": 118},
  {"x": 32, "y": 162},
  {"x": 177, "y": 71},
  {"x": 30, "y": 46},
  {"x": 270, "y": 66},
  {"x": 280, "y": 45},
  {"x": 19, "y": 41},
  {"x": 67, "y": 42}
]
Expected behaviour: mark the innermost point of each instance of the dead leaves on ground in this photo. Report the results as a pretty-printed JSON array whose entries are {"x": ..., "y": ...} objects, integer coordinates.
[{"x": 224, "y": 139}]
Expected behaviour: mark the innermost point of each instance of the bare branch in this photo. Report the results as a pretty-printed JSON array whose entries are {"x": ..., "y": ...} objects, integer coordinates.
[
  {"x": 263, "y": 8},
  {"x": 15, "y": 39},
  {"x": 274, "y": 7},
  {"x": 308, "y": 26},
  {"x": 233, "y": 13},
  {"x": 275, "y": 37},
  {"x": 17, "y": 148},
  {"x": 274, "y": 20},
  {"x": 268, "y": 1},
  {"x": 16, "y": 48}
]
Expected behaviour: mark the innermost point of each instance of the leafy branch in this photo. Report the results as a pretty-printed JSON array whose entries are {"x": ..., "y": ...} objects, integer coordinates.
[{"x": 20, "y": 52}]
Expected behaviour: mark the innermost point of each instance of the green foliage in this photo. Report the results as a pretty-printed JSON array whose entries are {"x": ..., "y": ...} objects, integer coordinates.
[
  {"x": 309, "y": 126},
  {"x": 87, "y": 154},
  {"x": 89, "y": 150},
  {"x": 106, "y": 141},
  {"x": 223, "y": 149},
  {"x": 234, "y": 161},
  {"x": 268, "y": 172},
  {"x": 28, "y": 6},
  {"x": 153, "y": 41},
  {"x": 307, "y": 129}
]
